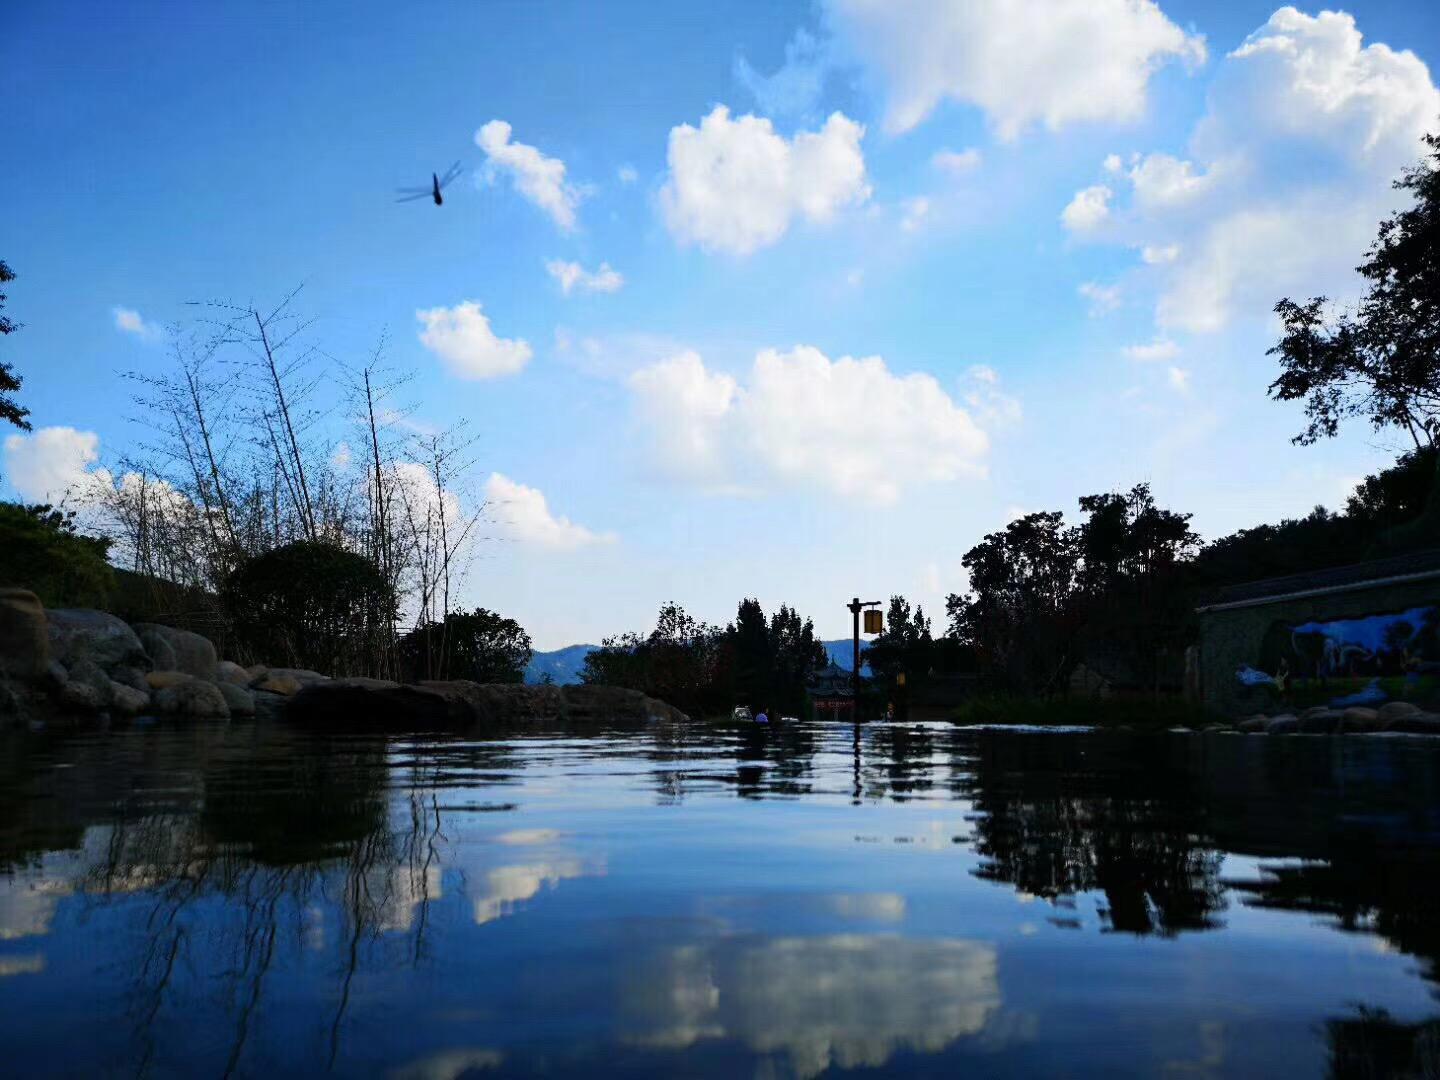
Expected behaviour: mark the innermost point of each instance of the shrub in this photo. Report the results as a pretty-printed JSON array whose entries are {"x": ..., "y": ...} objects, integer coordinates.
[
  {"x": 311, "y": 605},
  {"x": 41, "y": 550},
  {"x": 478, "y": 645}
]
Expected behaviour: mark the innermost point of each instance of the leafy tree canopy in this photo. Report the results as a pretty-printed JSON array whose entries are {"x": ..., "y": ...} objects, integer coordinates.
[
  {"x": 10, "y": 410},
  {"x": 1380, "y": 362}
]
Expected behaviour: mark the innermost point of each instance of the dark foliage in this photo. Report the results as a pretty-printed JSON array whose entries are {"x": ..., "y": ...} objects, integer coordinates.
[
  {"x": 478, "y": 645},
  {"x": 1381, "y": 362},
  {"x": 41, "y": 550},
  {"x": 312, "y": 605},
  {"x": 704, "y": 668},
  {"x": 10, "y": 410}
]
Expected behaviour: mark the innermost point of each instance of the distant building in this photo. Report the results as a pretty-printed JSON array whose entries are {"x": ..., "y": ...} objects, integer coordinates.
[
  {"x": 832, "y": 689},
  {"x": 1354, "y": 635}
]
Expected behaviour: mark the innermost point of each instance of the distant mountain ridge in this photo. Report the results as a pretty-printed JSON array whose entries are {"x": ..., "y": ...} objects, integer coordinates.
[
  {"x": 565, "y": 665},
  {"x": 562, "y": 665}
]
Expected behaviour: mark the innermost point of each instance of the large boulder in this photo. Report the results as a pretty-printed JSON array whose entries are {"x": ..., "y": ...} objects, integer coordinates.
[
  {"x": 1416, "y": 723},
  {"x": 24, "y": 638},
  {"x": 1360, "y": 719},
  {"x": 240, "y": 701},
  {"x": 466, "y": 706},
  {"x": 81, "y": 697},
  {"x": 227, "y": 671},
  {"x": 183, "y": 650},
  {"x": 590, "y": 703},
  {"x": 1320, "y": 721},
  {"x": 286, "y": 681},
  {"x": 127, "y": 701},
  {"x": 84, "y": 634},
  {"x": 1396, "y": 710},
  {"x": 92, "y": 675},
  {"x": 195, "y": 698}
]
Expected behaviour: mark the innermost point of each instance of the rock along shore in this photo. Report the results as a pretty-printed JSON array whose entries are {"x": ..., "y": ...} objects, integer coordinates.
[{"x": 78, "y": 663}]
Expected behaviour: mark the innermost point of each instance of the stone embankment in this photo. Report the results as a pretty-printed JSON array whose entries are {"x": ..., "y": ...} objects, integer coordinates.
[
  {"x": 1399, "y": 717},
  {"x": 78, "y": 663}
]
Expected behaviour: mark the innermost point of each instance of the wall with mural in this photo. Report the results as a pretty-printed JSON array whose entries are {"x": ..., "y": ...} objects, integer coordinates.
[{"x": 1354, "y": 660}]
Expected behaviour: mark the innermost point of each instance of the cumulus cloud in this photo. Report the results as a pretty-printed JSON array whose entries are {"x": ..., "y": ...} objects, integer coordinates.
[
  {"x": 626, "y": 174},
  {"x": 50, "y": 463},
  {"x": 1088, "y": 210},
  {"x": 1285, "y": 177},
  {"x": 848, "y": 426},
  {"x": 1159, "y": 349},
  {"x": 538, "y": 178},
  {"x": 735, "y": 185},
  {"x": 1103, "y": 298},
  {"x": 129, "y": 321},
  {"x": 524, "y": 514},
  {"x": 1024, "y": 62},
  {"x": 1179, "y": 379},
  {"x": 571, "y": 276},
  {"x": 462, "y": 338},
  {"x": 846, "y": 1001}
]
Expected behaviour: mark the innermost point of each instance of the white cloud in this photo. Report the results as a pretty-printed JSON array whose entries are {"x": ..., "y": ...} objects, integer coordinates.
[
  {"x": 539, "y": 178},
  {"x": 812, "y": 1004},
  {"x": 1286, "y": 176},
  {"x": 626, "y": 174},
  {"x": 734, "y": 185},
  {"x": 794, "y": 90},
  {"x": 915, "y": 212},
  {"x": 1088, "y": 210},
  {"x": 855, "y": 278},
  {"x": 341, "y": 456},
  {"x": 1102, "y": 298},
  {"x": 992, "y": 407},
  {"x": 525, "y": 515},
  {"x": 956, "y": 162},
  {"x": 461, "y": 336},
  {"x": 50, "y": 463},
  {"x": 129, "y": 321},
  {"x": 848, "y": 426},
  {"x": 571, "y": 275},
  {"x": 1159, "y": 349},
  {"x": 1024, "y": 62},
  {"x": 1112, "y": 163},
  {"x": 1180, "y": 379},
  {"x": 1161, "y": 180}
]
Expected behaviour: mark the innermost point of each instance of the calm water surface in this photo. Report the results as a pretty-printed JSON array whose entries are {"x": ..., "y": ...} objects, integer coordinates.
[{"x": 700, "y": 901}]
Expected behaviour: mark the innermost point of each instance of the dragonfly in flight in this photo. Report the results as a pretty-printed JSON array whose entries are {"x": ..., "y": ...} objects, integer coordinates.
[{"x": 437, "y": 185}]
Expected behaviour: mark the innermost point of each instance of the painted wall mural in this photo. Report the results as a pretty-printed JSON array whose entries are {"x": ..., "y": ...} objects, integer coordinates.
[{"x": 1362, "y": 660}]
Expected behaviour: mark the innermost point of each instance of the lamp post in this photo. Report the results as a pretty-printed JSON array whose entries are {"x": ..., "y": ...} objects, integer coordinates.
[{"x": 856, "y": 606}]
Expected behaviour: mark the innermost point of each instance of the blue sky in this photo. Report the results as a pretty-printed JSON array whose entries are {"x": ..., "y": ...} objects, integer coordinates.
[{"x": 1058, "y": 229}]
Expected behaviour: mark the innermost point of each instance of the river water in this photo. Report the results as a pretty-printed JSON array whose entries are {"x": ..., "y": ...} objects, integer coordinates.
[{"x": 252, "y": 900}]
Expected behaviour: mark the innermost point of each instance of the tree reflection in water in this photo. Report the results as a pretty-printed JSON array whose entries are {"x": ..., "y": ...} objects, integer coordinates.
[
  {"x": 220, "y": 861},
  {"x": 1054, "y": 822}
]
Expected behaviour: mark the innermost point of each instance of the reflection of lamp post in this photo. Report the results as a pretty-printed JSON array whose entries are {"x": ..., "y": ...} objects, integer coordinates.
[{"x": 874, "y": 621}]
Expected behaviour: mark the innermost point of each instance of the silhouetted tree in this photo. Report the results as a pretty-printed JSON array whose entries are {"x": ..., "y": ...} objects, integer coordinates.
[
  {"x": 1381, "y": 362},
  {"x": 10, "y": 410},
  {"x": 905, "y": 644},
  {"x": 1018, "y": 614},
  {"x": 478, "y": 645}
]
